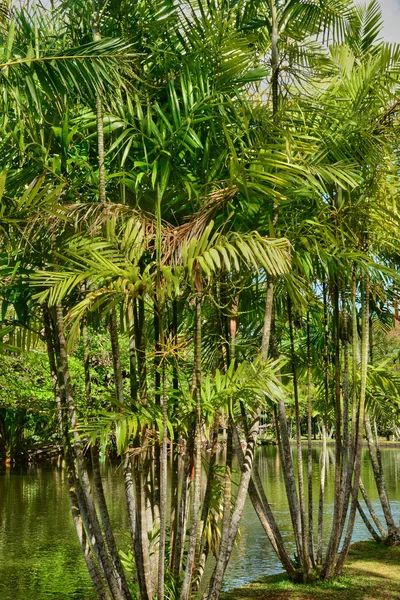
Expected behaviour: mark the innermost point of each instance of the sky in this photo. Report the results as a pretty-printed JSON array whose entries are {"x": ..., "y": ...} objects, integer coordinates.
[{"x": 391, "y": 16}]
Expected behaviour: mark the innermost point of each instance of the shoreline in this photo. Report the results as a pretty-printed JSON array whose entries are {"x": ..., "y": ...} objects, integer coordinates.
[
  {"x": 330, "y": 442},
  {"x": 371, "y": 572}
]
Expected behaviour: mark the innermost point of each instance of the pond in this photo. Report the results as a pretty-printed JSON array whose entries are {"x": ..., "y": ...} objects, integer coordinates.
[{"x": 40, "y": 558}]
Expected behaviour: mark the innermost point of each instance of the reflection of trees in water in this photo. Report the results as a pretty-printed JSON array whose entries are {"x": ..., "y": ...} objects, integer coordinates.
[
  {"x": 253, "y": 556},
  {"x": 39, "y": 548}
]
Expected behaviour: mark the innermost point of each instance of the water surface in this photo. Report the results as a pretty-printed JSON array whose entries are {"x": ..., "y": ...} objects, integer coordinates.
[{"x": 40, "y": 557}]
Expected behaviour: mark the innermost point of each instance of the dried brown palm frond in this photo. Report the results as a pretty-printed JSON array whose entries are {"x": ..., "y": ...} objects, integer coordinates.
[
  {"x": 94, "y": 218},
  {"x": 174, "y": 238},
  {"x": 91, "y": 217}
]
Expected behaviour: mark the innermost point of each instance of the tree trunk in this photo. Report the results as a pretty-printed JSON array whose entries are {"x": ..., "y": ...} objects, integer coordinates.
[
  {"x": 321, "y": 495},
  {"x": 268, "y": 315},
  {"x": 287, "y": 463},
  {"x": 156, "y": 483},
  {"x": 100, "y": 134},
  {"x": 142, "y": 554},
  {"x": 367, "y": 523},
  {"x": 256, "y": 490},
  {"x": 125, "y": 459},
  {"x": 360, "y": 424},
  {"x": 372, "y": 512},
  {"x": 196, "y": 497},
  {"x": 304, "y": 556},
  {"x": 175, "y": 454},
  {"x": 266, "y": 517},
  {"x": 132, "y": 356},
  {"x": 334, "y": 539},
  {"x": 178, "y": 548},
  {"x": 163, "y": 486},
  {"x": 309, "y": 451},
  {"x": 94, "y": 571},
  {"x": 226, "y": 546},
  {"x": 105, "y": 520},
  {"x": 202, "y": 543},
  {"x": 324, "y": 427},
  {"x": 84, "y": 496},
  {"x": 348, "y": 451},
  {"x": 393, "y": 532}
]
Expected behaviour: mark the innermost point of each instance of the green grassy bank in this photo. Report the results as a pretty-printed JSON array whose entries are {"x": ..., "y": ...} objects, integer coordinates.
[{"x": 372, "y": 572}]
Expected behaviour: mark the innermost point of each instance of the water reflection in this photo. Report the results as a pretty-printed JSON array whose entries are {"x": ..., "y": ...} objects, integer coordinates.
[
  {"x": 253, "y": 556},
  {"x": 40, "y": 558}
]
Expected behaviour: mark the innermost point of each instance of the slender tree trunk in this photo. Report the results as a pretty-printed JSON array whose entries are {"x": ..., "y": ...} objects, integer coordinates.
[
  {"x": 182, "y": 519},
  {"x": 321, "y": 495},
  {"x": 87, "y": 507},
  {"x": 201, "y": 550},
  {"x": 346, "y": 394},
  {"x": 347, "y": 446},
  {"x": 304, "y": 538},
  {"x": 86, "y": 364},
  {"x": 94, "y": 571},
  {"x": 163, "y": 486},
  {"x": 334, "y": 540},
  {"x": 129, "y": 488},
  {"x": 367, "y": 523},
  {"x": 226, "y": 546},
  {"x": 352, "y": 441},
  {"x": 142, "y": 554},
  {"x": 256, "y": 490},
  {"x": 309, "y": 451},
  {"x": 156, "y": 487},
  {"x": 393, "y": 532},
  {"x": 140, "y": 338},
  {"x": 91, "y": 565},
  {"x": 132, "y": 356},
  {"x": 142, "y": 551},
  {"x": 324, "y": 427},
  {"x": 274, "y": 58},
  {"x": 119, "y": 395},
  {"x": 372, "y": 512},
  {"x": 195, "y": 507},
  {"x": 360, "y": 425},
  {"x": 174, "y": 498},
  {"x": 100, "y": 134},
  {"x": 226, "y": 517},
  {"x": 129, "y": 483},
  {"x": 263, "y": 511},
  {"x": 268, "y": 315},
  {"x": 287, "y": 463},
  {"x": 174, "y": 444},
  {"x": 105, "y": 520}
]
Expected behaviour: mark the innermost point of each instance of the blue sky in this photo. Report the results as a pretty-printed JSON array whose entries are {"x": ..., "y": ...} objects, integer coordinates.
[{"x": 391, "y": 15}]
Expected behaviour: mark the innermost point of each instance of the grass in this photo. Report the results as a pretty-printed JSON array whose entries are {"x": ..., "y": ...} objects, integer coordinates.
[{"x": 372, "y": 572}]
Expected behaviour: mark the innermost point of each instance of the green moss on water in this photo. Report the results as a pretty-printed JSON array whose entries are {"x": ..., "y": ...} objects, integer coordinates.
[{"x": 372, "y": 572}]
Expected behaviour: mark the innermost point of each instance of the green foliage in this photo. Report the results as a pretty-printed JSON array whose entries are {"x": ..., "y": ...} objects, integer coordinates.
[
  {"x": 27, "y": 414},
  {"x": 241, "y": 152}
]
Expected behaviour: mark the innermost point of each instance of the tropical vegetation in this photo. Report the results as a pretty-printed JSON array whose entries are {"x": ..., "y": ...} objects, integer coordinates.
[{"x": 199, "y": 213}]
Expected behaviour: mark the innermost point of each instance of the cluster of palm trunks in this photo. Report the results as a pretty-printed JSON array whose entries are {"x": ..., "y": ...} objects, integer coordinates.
[{"x": 213, "y": 188}]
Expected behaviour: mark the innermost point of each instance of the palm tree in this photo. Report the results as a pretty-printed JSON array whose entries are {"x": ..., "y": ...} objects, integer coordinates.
[{"x": 149, "y": 199}]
